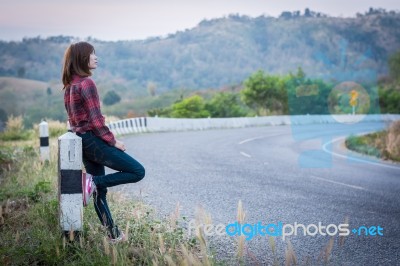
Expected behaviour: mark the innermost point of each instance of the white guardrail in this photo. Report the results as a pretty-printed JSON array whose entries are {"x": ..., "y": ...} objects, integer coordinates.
[{"x": 160, "y": 124}]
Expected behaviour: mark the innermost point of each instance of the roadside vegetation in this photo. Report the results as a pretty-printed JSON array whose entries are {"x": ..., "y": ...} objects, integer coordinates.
[
  {"x": 384, "y": 144},
  {"x": 296, "y": 93},
  {"x": 29, "y": 229}
]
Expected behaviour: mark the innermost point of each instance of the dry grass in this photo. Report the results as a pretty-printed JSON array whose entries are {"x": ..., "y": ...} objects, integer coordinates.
[
  {"x": 21, "y": 85},
  {"x": 241, "y": 239},
  {"x": 30, "y": 232},
  {"x": 14, "y": 124},
  {"x": 290, "y": 255},
  {"x": 393, "y": 140},
  {"x": 15, "y": 129},
  {"x": 383, "y": 144},
  {"x": 110, "y": 119}
]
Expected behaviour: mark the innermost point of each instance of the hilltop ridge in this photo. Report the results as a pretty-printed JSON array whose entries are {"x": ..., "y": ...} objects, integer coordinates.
[{"x": 224, "y": 51}]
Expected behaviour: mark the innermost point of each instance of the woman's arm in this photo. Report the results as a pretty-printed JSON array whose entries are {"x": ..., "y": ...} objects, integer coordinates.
[{"x": 92, "y": 105}]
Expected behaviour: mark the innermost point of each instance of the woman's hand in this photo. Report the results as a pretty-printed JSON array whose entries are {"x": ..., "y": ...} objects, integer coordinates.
[{"x": 119, "y": 145}]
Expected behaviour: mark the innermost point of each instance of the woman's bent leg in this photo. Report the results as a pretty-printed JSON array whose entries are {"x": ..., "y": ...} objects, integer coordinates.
[
  {"x": 98, "y": 154},
  {"x": 129, "y": 170},
  {"x": 100, "y": 200}
]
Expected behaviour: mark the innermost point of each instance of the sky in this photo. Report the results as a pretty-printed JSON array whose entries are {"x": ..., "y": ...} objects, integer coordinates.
[{"x": 112, "y": 20}]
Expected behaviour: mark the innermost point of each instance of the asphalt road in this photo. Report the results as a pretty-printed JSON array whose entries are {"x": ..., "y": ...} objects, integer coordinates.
[{"x": 282, "y": 174}]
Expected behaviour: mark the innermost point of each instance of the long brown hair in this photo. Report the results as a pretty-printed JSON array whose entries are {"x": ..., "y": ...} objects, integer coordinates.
[{"x": 76, "y": 61}]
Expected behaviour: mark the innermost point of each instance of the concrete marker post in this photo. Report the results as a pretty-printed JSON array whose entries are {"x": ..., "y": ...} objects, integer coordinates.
[
  {"x": 44, "y": 141},
  {"x": 70, "y": 183},
  {"x": 136, "y": 125},
  {"x": 140, "y": 125},
  {"x": 131, "y": 128},
  {"x": 145, "y": 124}
]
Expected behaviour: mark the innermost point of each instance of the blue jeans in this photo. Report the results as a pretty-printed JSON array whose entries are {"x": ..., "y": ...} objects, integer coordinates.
[{"x": 96, "y": 154}]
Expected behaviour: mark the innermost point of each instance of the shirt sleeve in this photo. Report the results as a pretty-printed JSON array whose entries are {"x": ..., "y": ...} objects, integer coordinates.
[{"x": 92, "y": 105}]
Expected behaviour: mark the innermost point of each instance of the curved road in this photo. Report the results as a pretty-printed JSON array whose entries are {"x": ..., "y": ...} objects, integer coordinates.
[{"x": 282, "y": 174}]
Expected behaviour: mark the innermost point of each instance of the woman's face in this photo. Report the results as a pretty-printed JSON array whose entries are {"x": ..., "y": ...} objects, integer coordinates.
[{"x": 93, "y": 61}]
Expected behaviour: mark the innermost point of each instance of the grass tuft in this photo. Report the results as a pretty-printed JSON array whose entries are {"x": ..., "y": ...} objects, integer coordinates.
[
  {"x": 384, "y": 144},
  {"x": 15, "y": 130}
]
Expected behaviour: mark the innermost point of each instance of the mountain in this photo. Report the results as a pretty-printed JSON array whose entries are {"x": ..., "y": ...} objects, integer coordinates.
[{"x": 226, "y": 51}]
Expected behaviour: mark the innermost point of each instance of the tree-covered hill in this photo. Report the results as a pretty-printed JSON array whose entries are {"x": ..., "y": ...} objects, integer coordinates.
[{"x": 225, "y": 51}]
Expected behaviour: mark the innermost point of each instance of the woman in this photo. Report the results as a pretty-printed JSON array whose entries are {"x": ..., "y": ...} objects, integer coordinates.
[{"x": 99, "y": 146}]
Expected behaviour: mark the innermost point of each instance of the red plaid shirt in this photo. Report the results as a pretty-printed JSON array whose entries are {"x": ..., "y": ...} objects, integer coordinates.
[{"x": 83, "y": 107}]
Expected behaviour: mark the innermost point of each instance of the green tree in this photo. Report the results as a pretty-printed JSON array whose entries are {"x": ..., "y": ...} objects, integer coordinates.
[
  {"x": 307, "y": 96},
  {"x": 389, "y": 99},
  {"x": 389, "y": 92},
  {"x": 111, "y": 98},
  {"x": 225, "y": 104},
  {"x": 21, "y": 72},
  {"x": 192, "y": 107},
  {"x": 394, "y": 65},
  {"x": 49, "y": 93},
  {"x": 162, "y": 112},
  {"x": 3, "y": 115},
  {"x": 3, "y": 119},
  {"x": 307, "y": 12},
  {"x": 152, "y": 88},
  {"x": 265, "y": 93}
]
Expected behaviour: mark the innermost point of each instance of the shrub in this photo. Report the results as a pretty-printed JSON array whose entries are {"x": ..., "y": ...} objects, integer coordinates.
[
  {"x": 6, "y": 158},
  {"x": 111, "y": 98},
  {"x": 56, "y": 128},
  {"x": 365, "y": 144},
  {"x": 383, "y": 144},
  {"x": 192, "y": 107},
  {"x": 393, "y": 140},
  {"x": 15, "y": 130},
  {"x": 110, "y": 119}
]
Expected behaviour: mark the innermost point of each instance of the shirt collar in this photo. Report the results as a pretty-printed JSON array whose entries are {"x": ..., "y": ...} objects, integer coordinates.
[{"x": 76, "y": 79}]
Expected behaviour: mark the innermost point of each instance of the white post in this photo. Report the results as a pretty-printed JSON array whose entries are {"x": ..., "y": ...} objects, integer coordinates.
[
  {"x": 139, "y": 124},
  {"x": 117, "y": 128},
  {"x": 125, "y": 127},
  {"x": 70, "y": 182},
  {"x": 130, "y": 125},
  {"x": 69, "y": 127},
  {"x": 135, "y": 126},
  {"x": 112, "y": 128},
  {"x": 145, "y": 124},
  {"x": 122, "y": 125},
  {"x": 44, "y": 141}
]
